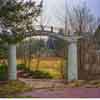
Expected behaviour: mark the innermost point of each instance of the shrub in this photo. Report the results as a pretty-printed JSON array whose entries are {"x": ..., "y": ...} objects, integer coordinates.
[
  {"x": 3, "y": 72},
  {"x": 21, "y": 66},
  {"x": 41, "y": 75},
  {"x": 35, "y": 74}
]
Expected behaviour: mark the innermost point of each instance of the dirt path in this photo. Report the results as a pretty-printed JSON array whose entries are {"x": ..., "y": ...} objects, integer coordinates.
[{"x": 57, "y": 89}]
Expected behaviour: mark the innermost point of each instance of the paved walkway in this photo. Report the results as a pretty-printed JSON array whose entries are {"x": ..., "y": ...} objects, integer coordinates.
[
  {"x": 57, "y": 89},
  {"x": 65, "y": 93}
]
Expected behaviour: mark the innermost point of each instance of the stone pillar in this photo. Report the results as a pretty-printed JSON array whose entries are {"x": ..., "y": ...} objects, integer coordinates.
[
  {"x": 72, "y": 60},
  {"x": 12, "y": 71}
]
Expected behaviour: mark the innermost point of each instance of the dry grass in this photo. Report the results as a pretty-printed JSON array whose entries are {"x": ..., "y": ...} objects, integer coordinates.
[
  {"x": 11, "y": 88},
  {"x": 84, "y": 84},
  {"x": 53, "y": 65}
]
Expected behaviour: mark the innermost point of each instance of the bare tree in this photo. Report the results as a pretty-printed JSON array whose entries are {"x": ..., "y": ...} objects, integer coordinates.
[
  {"x": 81, "y": 19},
  {"x": 76, "y": 18}
]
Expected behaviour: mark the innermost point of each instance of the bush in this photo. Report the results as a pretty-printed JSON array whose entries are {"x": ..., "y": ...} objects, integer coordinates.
[
  {"x": 41, "y": 75},
  {"x": 35, "y": 74},
  {"x": 3, "y": 72},
  {"x": 21, "y": 66}
]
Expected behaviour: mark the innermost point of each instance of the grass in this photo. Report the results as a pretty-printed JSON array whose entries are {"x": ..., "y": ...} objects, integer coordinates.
[
  {"x": 53, "y": 65},
  {"x": 12, "y": 88}
]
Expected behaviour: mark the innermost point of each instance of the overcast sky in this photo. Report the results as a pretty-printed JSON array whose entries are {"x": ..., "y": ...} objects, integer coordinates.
[{"x": 53, "y": 8}]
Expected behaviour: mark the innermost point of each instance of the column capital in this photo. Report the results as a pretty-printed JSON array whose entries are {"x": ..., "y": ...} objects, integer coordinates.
[{"x": 73, "y": 39}]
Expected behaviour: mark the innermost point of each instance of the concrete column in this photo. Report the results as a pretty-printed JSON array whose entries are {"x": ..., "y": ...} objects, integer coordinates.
[
  {"x": 12, "y": 71},
  {"x": 72, "y": 60}
]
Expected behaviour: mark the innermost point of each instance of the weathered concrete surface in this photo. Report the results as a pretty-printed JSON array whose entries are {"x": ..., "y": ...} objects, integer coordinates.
[
  {"x": 72, "y": 61},
  {"x": 12, "y": 62},
  {"x": 65, "y": 93},
  {"x": 59, "y": 89}
]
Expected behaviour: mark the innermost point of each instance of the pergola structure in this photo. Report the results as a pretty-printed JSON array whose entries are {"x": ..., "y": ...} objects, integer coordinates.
[
  {"x": 72, "y": 40},
  {"x": 71, "y": 70}
]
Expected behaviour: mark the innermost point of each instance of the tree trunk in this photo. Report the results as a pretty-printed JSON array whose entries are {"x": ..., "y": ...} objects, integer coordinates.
[{"x": 12, "y": 70}]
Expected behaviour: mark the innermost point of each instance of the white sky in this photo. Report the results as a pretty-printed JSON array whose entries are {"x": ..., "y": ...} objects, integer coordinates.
[{"x": 54, "y": 8}]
